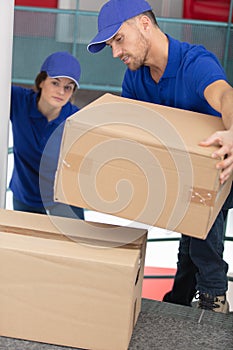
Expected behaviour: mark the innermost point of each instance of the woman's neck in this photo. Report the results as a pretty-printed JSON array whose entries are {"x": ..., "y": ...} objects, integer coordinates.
[{"x": 48, "y": 111}]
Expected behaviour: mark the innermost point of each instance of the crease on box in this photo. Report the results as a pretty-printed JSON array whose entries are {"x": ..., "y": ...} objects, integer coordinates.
[{"x": 193, "y": 196}]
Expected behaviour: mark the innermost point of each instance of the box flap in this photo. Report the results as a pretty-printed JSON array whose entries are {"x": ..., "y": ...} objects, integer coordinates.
[
  {"x": 71, "y": 230},
  {"x": 147, "y": 123}
]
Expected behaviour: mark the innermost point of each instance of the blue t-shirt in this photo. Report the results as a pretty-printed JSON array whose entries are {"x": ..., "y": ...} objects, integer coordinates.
[
  {"x": 190, "y": 69},
  {"x": 31, "y": 132}
]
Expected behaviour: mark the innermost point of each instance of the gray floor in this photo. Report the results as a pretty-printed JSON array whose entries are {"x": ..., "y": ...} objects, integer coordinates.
[
  {"x": 83, "y": 97},
  {"x": 163, "y": 326}
]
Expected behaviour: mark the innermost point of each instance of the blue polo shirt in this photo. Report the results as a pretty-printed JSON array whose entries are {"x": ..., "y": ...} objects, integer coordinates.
[
  {"x": 31, "y": 132},
  {"x": 190, "y": 69}
]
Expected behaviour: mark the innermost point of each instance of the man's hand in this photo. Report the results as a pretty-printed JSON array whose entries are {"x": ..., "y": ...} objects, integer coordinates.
[{"x": 224, "y": 139}]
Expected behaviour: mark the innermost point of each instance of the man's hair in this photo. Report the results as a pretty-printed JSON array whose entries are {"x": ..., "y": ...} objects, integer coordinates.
[{"x": 152, "y": 17}]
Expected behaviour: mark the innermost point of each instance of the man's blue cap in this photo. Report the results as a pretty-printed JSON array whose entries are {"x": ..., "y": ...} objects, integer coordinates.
[
  {"x": 62, "y": 65},
  {"x": 111, "y": 17}
]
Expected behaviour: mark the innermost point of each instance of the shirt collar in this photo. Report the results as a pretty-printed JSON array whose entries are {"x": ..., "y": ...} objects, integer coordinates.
[
  {"x": 174, "y": 58},
  {"x": 36, "y": 114}
]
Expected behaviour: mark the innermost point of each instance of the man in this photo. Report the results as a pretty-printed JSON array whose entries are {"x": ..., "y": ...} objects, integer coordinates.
[{"x": 165, "y": 71}]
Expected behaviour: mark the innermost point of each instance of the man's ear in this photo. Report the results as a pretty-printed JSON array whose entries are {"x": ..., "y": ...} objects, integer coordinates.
[{"x": 145, "y": 22}]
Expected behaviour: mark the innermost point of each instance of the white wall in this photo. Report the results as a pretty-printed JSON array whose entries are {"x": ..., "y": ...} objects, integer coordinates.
[{"x": 6, "y": 42}]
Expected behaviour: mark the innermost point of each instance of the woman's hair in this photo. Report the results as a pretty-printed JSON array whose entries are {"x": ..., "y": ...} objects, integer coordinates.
[{"x": 40, "y": 77}]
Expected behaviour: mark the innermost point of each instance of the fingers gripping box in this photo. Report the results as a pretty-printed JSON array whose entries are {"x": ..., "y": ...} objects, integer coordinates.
[
  {"x": 142, "y": 162},
  {"x": 69, "y": 282}
]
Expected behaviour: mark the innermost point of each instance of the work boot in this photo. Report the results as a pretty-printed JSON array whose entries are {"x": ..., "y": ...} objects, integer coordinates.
[{"x": 216, "y": 304}]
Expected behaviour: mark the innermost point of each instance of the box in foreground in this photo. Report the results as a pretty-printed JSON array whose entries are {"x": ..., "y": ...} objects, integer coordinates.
[
  {"x": 57, "y": 290},
  {"x": 142, "y": 162}
]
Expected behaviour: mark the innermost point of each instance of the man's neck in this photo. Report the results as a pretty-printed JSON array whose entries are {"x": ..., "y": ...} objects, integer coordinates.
[{"x": 158, "y": 56}]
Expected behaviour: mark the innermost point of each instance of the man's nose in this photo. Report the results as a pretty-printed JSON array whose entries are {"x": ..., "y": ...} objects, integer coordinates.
[{"x": 116, "y": 51}]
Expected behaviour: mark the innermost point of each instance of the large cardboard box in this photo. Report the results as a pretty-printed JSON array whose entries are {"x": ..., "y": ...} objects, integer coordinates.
[
  {"x": 64, "y": 290},
  {"x": 142, "y": 162}
]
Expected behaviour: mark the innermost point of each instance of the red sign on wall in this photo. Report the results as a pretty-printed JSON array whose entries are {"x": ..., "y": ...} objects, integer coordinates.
[{"x": 37, "y": 3}]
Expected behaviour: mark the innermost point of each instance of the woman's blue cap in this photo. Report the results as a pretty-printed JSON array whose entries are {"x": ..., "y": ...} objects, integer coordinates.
[
  {"x": 111, "y": 17},
  {"x": 62, "y": 65}
]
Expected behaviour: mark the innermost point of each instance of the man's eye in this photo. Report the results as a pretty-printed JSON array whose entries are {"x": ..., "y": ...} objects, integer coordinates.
[{"x": 55, "y": 83}]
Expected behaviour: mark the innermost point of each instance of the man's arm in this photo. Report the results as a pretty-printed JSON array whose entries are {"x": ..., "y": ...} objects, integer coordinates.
[{"x": 220, "y": 96}]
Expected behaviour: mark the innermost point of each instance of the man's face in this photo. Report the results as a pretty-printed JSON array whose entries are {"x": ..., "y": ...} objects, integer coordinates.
[{"x": 130, "y": 45}]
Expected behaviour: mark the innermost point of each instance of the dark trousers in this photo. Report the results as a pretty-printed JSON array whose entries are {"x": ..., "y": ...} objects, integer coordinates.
[
  {"x": 200, "y": 265},
  {"x": 58, "y": 209}
]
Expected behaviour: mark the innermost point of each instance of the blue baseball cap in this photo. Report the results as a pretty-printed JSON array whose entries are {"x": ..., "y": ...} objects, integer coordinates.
[
  {"x": 111, "y": 17},
  {"x": 62, "y": 65}
]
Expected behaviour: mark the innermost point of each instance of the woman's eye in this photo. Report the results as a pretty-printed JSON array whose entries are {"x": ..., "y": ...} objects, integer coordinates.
[{"x": 68, "y": 88}]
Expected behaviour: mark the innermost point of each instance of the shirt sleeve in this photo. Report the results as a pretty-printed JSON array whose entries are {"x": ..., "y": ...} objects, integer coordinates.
[
  {"x": 16, "y": 99},
  {"x": 204, "y": 69}
]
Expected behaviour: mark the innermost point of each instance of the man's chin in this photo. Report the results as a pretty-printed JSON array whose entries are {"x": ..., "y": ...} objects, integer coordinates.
[{"x": 133, "y": 69}]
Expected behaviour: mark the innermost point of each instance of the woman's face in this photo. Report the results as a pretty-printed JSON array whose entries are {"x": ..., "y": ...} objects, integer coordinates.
[{"x": 56, "y": 92}]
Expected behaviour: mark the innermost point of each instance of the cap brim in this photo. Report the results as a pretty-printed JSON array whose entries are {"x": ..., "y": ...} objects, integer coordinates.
[
  {"x": 99, "y": 41},
  {"x": 65, "y": 76}
]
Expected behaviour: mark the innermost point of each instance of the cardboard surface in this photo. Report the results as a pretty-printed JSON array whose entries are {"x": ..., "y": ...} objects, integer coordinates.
[
  {"x": 57, "y": 290},
  {"x": 142, "y": 162}
]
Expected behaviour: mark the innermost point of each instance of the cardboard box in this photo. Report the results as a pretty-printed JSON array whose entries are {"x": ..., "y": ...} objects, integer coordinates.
[
  {"x": 142, "y": 162},
  {"x": 57, "y": 290}
]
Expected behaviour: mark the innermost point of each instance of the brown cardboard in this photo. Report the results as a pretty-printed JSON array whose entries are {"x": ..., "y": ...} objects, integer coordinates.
[
  {"x": 57, "y": 290},
  {"x": 142, "y": 162}
]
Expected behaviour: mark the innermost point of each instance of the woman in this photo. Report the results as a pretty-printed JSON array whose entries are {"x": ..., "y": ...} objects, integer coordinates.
[{"x": 38, "y": 117}]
